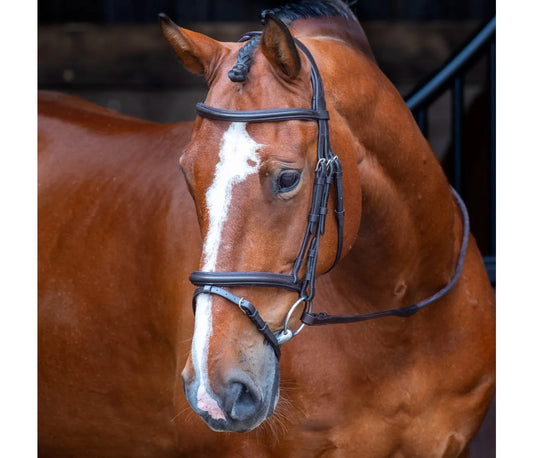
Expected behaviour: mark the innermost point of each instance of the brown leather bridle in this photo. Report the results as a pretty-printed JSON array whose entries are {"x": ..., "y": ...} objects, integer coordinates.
[{"x": 328, "y": 171}]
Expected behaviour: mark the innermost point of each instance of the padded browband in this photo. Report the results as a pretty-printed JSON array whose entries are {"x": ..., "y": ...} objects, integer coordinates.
[{"x": 275, "y": 114}]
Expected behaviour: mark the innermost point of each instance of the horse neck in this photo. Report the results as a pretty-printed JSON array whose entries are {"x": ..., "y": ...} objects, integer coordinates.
[
  {"x": 334, "y": 28},
  {"x": 410, "y": 230}
]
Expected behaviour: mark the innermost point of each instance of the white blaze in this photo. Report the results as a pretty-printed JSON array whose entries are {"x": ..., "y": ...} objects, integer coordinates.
[{"x": 238, "y": 158}]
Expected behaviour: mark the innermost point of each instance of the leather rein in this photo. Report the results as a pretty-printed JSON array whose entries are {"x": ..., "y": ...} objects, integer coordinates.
[{"x": 328, "y": 172}]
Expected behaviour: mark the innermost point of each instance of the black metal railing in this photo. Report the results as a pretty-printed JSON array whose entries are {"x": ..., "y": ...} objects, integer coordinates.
[{"x": 451, "y": 77}]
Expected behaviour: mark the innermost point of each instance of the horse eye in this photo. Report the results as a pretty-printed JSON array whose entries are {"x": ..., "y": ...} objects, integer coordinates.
[{"x": 287, "y": 180}]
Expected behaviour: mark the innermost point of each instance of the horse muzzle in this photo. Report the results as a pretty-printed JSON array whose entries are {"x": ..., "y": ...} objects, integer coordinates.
[{"x": 239, "y": 404}]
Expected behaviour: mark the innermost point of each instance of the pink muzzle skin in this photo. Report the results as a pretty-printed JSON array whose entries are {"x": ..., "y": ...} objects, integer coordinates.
[{"x": 207, "y": 403}]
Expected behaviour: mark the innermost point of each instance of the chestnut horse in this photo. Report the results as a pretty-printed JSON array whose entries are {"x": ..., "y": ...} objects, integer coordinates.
[{"x": 119, "y": 236}]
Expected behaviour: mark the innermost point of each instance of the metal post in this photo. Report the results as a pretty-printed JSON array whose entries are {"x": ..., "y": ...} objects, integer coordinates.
[
  {"x": 457, "y": 130},
  {"x": 492, "y": 95},
  {"x": 452, "y": 75},
  {"x": 422, "y": 120}
]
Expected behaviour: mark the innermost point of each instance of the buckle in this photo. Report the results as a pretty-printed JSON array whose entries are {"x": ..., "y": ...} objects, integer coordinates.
[{"x": 240, "y": 304}]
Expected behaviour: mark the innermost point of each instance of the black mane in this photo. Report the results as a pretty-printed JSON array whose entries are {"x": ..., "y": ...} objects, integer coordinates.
[
  {"x": 288, "y": 14},
  {"x": 309, "y": 9}
]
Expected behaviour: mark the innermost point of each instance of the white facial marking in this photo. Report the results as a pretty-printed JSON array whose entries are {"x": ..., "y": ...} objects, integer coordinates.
[{"x": 238, "y": 159}]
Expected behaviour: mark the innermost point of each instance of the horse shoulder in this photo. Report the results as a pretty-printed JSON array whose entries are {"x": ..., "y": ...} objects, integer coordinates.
[{"x": 117, "y": 233}]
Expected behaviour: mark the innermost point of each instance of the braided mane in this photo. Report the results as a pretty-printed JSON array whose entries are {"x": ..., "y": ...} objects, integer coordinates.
[{"x": 288, "y": 14}]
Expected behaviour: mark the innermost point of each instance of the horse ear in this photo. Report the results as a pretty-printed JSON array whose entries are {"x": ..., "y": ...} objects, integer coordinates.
[
  {"x": 279, "y": 47},
  {"x": 195, "y": 50}
]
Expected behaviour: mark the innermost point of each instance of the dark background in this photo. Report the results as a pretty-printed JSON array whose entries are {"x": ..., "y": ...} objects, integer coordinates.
[
  {"x": 113, "y": 53},
  {"x": 114, "y": 11}
]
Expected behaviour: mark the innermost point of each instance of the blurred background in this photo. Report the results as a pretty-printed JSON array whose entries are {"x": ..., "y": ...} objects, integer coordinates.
[{"x": 112, "y": 52}]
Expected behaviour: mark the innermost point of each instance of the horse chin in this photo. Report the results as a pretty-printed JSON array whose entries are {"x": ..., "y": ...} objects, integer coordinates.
[
  {"x": 230, "y": 426},
  {"x": 226, "y": 411}
]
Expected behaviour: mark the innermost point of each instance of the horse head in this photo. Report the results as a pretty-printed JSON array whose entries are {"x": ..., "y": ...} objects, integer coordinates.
[{"x": 253, "y": 185}]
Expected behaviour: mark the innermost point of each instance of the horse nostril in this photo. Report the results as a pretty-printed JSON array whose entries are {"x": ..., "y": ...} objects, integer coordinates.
[{"x": 243, "y": 401}]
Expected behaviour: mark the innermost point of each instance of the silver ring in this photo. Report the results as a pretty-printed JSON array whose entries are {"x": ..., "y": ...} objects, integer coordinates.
[{"x": 289, "y": 314}]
